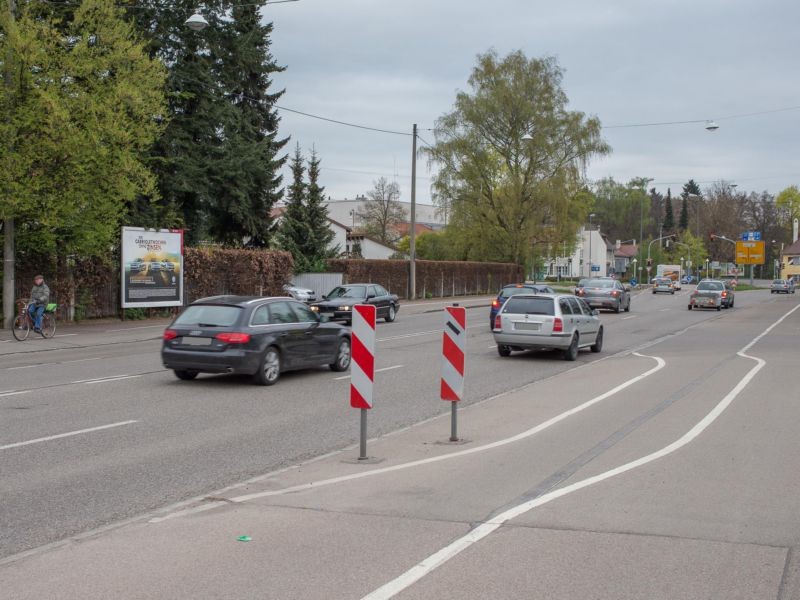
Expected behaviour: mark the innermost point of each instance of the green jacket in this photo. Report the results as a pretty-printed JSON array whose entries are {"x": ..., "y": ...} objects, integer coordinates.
[{"x": 40, "y": 294}]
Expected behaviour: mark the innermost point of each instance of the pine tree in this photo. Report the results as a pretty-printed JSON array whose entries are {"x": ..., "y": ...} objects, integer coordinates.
[
  {"x": 248, "y": 170},
  {"x": 683, "y": 221},
  {"x": 294, "y": 231},
  {"x": 669, "y": 216},
  {"x": 321, "y": 235}
]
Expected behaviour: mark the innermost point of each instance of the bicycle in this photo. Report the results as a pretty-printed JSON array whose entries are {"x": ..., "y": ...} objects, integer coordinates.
[{"x": 23, "y": 323}]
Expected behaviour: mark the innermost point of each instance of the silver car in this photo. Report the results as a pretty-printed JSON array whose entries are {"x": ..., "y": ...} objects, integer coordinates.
[
  {"x": 547, "y": 322},
  {"x": 711, "y": 293},
  {"x": 605, "y": 292},
  {"x": 782, "y": 286},
  {"x": 301, "y": 294}
]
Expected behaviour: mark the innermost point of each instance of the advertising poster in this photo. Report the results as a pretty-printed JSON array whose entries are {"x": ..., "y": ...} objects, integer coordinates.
[{"x": 152, "y": 267}]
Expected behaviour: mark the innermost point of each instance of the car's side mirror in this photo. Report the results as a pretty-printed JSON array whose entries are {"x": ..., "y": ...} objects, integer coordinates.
[
  {"x": 595, "y": 312},
  {"x": 324, "y": 297}
]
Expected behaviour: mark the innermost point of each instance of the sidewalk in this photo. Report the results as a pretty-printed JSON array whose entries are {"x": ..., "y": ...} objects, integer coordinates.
[{"x": 333, "y": 527}]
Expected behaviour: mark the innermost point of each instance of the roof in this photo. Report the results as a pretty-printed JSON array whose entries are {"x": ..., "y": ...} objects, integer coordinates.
[
  {"x": 403, "y": 229},
  {"x": 792, "y": 250},
  {"x": 626, "y": 251}
]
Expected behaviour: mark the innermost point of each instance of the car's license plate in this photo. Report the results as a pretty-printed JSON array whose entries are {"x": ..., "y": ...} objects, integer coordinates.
[
  {"x": 523, "y": 326},
  {"x": 196, "y": 341}
]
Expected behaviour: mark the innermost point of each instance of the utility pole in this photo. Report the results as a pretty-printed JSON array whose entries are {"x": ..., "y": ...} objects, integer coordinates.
[
  {"x": 8, "y": 224},
  {"x": 412, "y": 251}
]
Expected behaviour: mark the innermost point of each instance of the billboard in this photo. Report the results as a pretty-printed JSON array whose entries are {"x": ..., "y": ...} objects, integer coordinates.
[
  {"x": 152, "y": 267},
  {"x": 750, "y": 253}
]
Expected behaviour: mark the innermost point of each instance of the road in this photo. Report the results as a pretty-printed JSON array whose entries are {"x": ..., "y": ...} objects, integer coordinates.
[{"x": 168, "y": 441}]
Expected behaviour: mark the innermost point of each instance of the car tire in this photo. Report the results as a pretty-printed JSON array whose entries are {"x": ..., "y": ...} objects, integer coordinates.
[
  {"x": 654, "y": 292},
  {"x": 185, "y": 375},
  {"x": 391, "y": 315},
  {"x": 503, "y": 350},
  {"x": 343, "y": 356},
  {"x": 598, "y": 342},
  {"x": 731, "y": 304},
  {"x": 269, "y": 369},
  {"x": 672, "y": 292},
  {"x": 628, "y": 306},
  {"x": 690, "y": 307},
  {"x": 618, "y": 307},
  {"x": 571, "y": 353},
  {"x": 719, "y": 307}
]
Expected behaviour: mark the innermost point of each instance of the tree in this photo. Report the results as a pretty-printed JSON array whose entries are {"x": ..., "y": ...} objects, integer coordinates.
[
  {"x": 683, "y": 222},
  {"x": 668, "y": 224},
  {"x": 619, "y": 208},
  {"x": 382, "y": 211},
  {"x": 511, "y": 157},
  {"x": 294, "y": 230},
  {"x": 789, "y": 201},
  {"x": 318, "y": 246},
  {"x": 85, "y": 106},
  {"x": 690, "y": 189}
]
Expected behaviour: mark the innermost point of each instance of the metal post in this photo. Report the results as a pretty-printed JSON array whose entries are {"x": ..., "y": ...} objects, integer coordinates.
[
  {"x": 454, "y": 421},
  {"x": 8, "y": 225},
  {"x": 362, "y": 454},
  {"x": 412, "y": 251}
]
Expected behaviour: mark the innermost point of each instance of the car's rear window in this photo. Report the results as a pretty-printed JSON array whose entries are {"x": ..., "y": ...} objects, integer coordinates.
[
  {"x": 709, "y": 285},
  {"x": 600, "y": 283},
  {"x": 209, "y": 315},
  {"x": 530, "y": 306},
  {"x": 778, "y": 281}
]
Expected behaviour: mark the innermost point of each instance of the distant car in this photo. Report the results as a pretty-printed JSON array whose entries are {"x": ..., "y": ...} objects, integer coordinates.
[
  {"x": 512, "y": 290},
  {"x": 547, "y": 322},
  {"x": 167, "y": 266},
  {"x": 338, "y": 303},
  {"x": 301, "y": 294},
  {"x": 606, "y": 293},
  {"x": 262, "y": 337},
  {"x": 663, "y": 284},
  {"x": 154, "y": 266},
  {"x": 137, "y": 266},
  {"x": 782, "y": 286},
  {"x": 711, "y": 293},
  {"x": 580, "y": 284}
]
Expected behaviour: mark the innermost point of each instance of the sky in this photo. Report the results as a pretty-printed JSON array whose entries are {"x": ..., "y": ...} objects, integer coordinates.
[{"x": 390, "y": 64}]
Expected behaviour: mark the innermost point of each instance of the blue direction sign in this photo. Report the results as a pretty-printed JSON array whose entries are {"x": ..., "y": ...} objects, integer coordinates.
[
  {"x": 595, "y": 267},
  {"x": 751, "y": 236}
]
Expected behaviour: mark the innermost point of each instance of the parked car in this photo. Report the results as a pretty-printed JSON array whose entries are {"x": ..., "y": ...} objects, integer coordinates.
[
  {"x": 547, "y": 322},
  {"x": 512, "y": 290},
  {"x": 605, "y": 292},
  {"x": 137, "y": 266},
  {"x": 663, "y": 284},
  {"x": 782, "y": 286},
  {"x": 711, "y": 293},
  {"x": 301, "y": 294},
  {"x": 338, "y": 303},
  {"x": 262, "y": 337}
]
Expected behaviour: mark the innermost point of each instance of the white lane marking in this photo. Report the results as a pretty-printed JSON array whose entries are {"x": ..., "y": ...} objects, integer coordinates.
[
  {"x": 419, "y": 333},
  {"x": 102, "y": 379},
  {"x": 68, "y": 434},
  {"x": 490, "y": 446},
  {"x": 437, "y": 559},
  {"x": 493, "y": 346},
  {"x": 664, "y": 309},
  {"x": 67, "y": 362},
  {"x": 630, "y": 317},
  {"x": 66, "y": 334},
  {"x": 28, "y": 366},
  {"x": 13, "y": 393},
  {"x": 135, "y": 328},
  {"x": 63, "y": 362},
  {"x": 445, "y": 303},
  {"x": 376, "y": 370}
]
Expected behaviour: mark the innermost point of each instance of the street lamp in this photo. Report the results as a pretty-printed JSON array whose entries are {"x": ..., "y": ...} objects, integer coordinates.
[
  {"x": 711, "y": 126},
  {"x": 641, "y": 221},
  {"x": 591, "y": 259},
  {"x": 196, "y": 22}
]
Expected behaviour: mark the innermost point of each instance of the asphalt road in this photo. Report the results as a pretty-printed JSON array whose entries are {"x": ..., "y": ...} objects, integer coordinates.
[{"x": 163, "y": 440}]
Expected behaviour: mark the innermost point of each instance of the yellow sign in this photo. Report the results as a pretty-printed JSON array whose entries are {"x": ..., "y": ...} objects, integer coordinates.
[{"x": 750, "y": 253}]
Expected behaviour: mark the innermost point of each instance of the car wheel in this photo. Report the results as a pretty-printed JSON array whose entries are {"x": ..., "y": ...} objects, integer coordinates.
[
  {"x": 672, "y": 292},
  {"x": 618, "y": 307},
  {"x": 654, "y": 292},
  {"x": 270, "y": 368},
  {"x": 343, "y": 356},
  {"x": 690, "y": 307},
  {"x": 598, "y": 342},
  {"x": 185, "y": 375},
  {"x": 390, "y": 316},
  {"x": 503, "y": 350},
  {"x": 571, "y": 353},
  {"x": 628, "y": 306},
  {"x": 732, "y": 301},
  {"x": 719, "y": 307}
]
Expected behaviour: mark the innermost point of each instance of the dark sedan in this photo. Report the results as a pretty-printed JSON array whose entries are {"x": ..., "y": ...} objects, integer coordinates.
[
  {"x": 338, "y": 304},
  {"x": 262, "y": 337},
  {"x": 512, "y": 290}
]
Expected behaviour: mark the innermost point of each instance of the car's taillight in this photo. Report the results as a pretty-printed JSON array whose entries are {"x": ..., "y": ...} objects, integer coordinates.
[
  {"x": 495, "y": 303},
  {"x": 558, "y": 325},
  {"x": 724, "y": 294},
  {"x": 498, "y": 322},
  {"x": 233, "y": 338},
  {"x": 170, "y": 334},
  {"x": 615, "y": 293},
  {"x": 580, "y": 292}
]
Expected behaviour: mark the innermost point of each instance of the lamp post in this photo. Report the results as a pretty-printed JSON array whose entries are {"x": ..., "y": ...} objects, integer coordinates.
[
  {"x": 591, "y": 259},
  {"x": 641, "y": 224},
  {"x": 635, "y": 262},
  {"x": 707, "y": 263}
]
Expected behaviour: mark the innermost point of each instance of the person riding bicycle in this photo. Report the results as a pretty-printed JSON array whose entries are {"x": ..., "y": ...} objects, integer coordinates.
[{"x": 40, "y": 296}]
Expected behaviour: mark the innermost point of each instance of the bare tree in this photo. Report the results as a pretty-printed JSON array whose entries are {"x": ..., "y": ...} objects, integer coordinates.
[{"x": 382, "y": 211}]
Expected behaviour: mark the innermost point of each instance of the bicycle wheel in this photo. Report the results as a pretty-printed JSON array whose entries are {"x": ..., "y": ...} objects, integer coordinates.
[
  {"x": 48, "y": 325},
  {"x": 21, "y": 328}
]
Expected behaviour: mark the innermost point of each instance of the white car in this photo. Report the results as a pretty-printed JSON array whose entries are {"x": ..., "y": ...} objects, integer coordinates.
[{"x": 301, "y": 294}]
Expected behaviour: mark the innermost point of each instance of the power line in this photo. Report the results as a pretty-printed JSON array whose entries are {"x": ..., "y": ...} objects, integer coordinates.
[
  {"x": 329, "y": 120},
  {"x": 725, "y": 118}
]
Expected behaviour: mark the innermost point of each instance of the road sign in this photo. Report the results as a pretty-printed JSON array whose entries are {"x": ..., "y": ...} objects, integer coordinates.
[
  {"x": 750, "y": 252},
  {"x": 595, "y": 267},
  {"x": 362, "y": 368},
  {"x": 751, "y": 236},
  {"x": 454, "y": 344}
]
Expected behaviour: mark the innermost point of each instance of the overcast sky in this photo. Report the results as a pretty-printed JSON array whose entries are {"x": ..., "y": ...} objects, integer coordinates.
[{"x": 389, "y": 64}]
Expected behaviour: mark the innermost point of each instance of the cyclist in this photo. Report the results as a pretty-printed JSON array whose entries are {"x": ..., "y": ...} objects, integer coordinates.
[{"x": 40, "y": 296}]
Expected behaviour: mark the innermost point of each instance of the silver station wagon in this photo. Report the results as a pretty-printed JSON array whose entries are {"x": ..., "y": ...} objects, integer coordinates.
[{"x": 547, "y": 322}]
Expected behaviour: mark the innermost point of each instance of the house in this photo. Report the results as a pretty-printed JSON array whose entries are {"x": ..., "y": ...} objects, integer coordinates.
[
  {"x": 403, "y": 229},
  {"x": 790, "y": 261},
  {"x": 348, "y": 209},
  {"x": 577, "y": 265}
]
